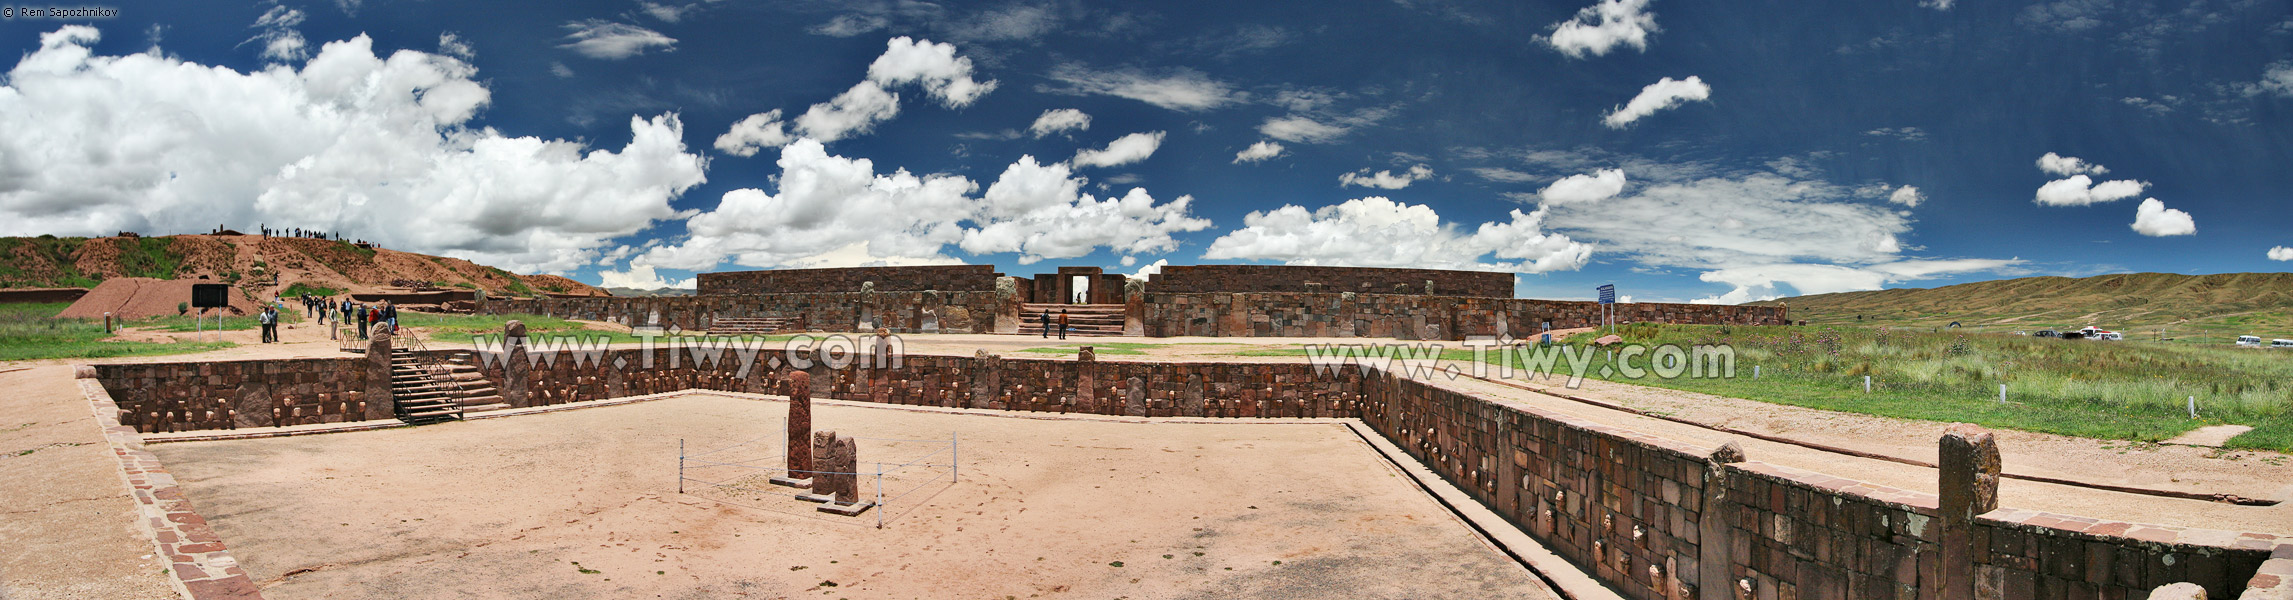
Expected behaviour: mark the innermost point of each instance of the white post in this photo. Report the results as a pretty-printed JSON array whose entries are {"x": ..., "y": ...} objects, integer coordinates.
[
  {"x": 2193, "y": 407},
  {"x": 2002, "y": 393},
  {"x": 1867, "y": 384},
  {"x": 1755, "y": 371}
]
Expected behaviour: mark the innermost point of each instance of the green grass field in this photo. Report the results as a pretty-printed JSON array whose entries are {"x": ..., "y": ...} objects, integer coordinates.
[
  {"x": 1106, "y": 348},
  {"x": 460, "y": 329},
  {"x": 32, "y": 332},
  {"x": 2129, "y": 390}
]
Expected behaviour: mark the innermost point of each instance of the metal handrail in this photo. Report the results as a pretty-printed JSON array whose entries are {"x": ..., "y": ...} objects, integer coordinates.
[{"x": 432, "y": 369}]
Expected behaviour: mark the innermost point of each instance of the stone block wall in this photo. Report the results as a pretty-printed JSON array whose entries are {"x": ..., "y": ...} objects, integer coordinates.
[
  {"x": 1034, "y": 385},
  {"x": 946, "y": 278},
  {"x": 168, "y": 397},
  {"x": 1198, "y": 279},
  {"x": 901, "y": 312},
  {"x": 1410, "y": 317},
  {"x": 1657, "y": 519}
]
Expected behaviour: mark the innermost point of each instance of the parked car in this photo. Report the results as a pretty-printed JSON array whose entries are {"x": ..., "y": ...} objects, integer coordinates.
[
  {"x": 2281, "y": 343},
  {"x": 2249, "y": 340},
  {"x": 2097, "y": 333},
  {"x": 2048, "y": 333}
]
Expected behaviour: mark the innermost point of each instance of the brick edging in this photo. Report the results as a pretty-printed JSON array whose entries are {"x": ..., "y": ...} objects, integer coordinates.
[{"x": 198, "y": 565}]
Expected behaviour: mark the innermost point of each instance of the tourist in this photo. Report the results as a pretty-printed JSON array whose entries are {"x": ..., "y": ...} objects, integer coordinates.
[
  {"x": 1045, "y": 320},
  {"x": 269, "y": 319},
  {"x": 1062, "y": 323},
  {"x": 390, "y": 313}
]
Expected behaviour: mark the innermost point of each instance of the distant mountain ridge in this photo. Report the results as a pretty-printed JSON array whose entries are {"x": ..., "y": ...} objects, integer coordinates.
[
  {"x": 257, "y": 264},
  {"x": 2224, "y": 303}
]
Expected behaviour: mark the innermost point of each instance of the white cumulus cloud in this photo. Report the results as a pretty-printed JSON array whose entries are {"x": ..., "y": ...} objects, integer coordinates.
[
  {"x": 1378, "y": 232},
  {"x": 1601, "y": 27},
  {"x": 2068, "y": 165},
  {"x": 607, "y": 40},
  {"x": 372, "y": 147},
  {"x": 838, "y": 211},
  {"x": 2080, "y": 190},
  {"x": 1148, "y": 271},
  {"x": 1664, "y": 94},
  {"x": 2281, "y": 253},
  {"x": 1124, "y": 150},
  {"x": 1907, "y": 196},
  {"x": 1059, "y": 120},
  {"x": 756, "y": 132},
  {"x": 854, "y": 112},
  {"x": 2153, "y": 219},
  {"x": 641, "y": 277},
  {"x": 1258, "y": 152},
  {"x": 942, "y": 74},
  {"x": 1600, "y": 185},
  {"x": 1385, "y": 179}
]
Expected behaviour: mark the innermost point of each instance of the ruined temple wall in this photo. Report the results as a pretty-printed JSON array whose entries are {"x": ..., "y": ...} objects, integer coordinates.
[
  {"x": 1198, "y": 279},
  {"x": 1637, "y": 511},
  {"x": 166, "y": 397},
  {"x": 901, "y": 312},
  {"x": 946, "y": 278},
  {"x": 1032, "y": 385},
  {"x": 1410, "y": 317}
]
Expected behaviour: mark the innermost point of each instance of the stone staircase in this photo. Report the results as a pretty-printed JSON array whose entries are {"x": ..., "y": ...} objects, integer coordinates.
[
  {"x": 429, "y": 390},
  {"x": 754, "y": 325},
  {"x": 1088, "y": 320}
]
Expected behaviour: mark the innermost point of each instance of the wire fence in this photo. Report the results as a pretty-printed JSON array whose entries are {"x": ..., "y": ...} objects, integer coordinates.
[{"x": 744, "y": 474}]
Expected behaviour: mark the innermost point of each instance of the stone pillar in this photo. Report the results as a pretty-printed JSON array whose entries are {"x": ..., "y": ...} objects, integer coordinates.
[
  {"x": 517, "y": 370},
  {"x": 1134, "y": 308},
  {"x": 986, "y": 379},
  {"x": 379, "y": 404},
  {"x": 1086, "y": 380},
  {"x": 1192, "y": 405},
  {"x": 1966, "y": 486},
  {"x": 836, "y": 459},
  {"x": 1135, "y": 399},
  {"x": 1713, "y": 536},
  {"x": 798, "y": 386}
]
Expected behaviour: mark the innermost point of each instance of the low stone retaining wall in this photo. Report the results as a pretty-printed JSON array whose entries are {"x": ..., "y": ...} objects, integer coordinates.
[
  {"x": 1025, "y": 384},
  {"x": 170, "y": 397},
  {"x": 1267, "y": 314},
  {"x": 1656, "y": 519},
  {"x": 1651, "y": 517}
]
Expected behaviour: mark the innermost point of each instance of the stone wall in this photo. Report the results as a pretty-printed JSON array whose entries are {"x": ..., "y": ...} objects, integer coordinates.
[
  {"x": 168, "y": 397},
  {"x": 1650, "y": 517},
  {"x": 946, "y": 278},
  {"x": 1657, "y": 519},
  {"x": 1406, "y": 317},
  {"x": 1034, "y": 385},
  {"x": 1199, "y": 279},
  {"x": 1410, "y": 317},
  {"x": 901, "y": 312}
]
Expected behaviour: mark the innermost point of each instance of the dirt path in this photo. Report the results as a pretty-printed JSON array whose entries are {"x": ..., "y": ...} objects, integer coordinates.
[
  {"x": 1064, "y": 508},
  {"x": 68, "y": 525}
]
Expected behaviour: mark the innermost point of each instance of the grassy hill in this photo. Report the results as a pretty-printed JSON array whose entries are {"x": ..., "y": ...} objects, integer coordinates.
[
  {"x": 2204, "y": 308},
  {"x": 257, "y": 264}
]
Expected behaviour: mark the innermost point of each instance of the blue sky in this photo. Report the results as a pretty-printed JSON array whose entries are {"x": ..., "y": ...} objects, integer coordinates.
[{"x": 1719, "y": 152}]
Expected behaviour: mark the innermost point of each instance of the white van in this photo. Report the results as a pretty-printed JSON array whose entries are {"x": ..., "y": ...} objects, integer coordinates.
[
  {"x": 2249, "y": 340},
  {"x": 2281, "y": 343}
]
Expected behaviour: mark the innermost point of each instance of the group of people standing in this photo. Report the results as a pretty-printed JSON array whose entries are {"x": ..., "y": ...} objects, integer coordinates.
[{"x": 354, "y": 318}]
